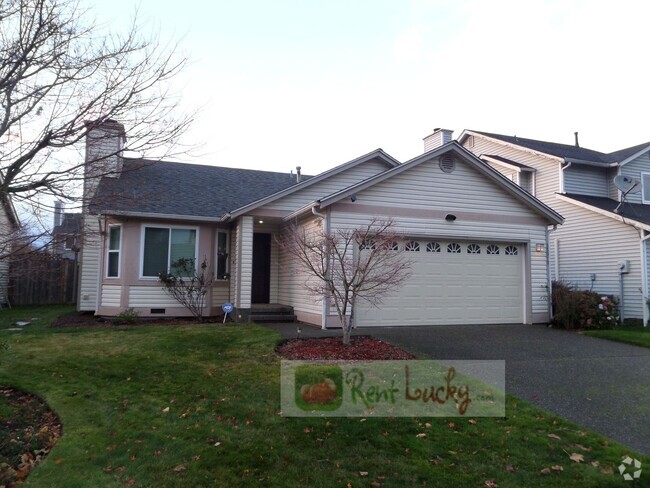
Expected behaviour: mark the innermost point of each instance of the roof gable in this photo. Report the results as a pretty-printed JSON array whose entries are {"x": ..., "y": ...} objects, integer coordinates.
[
  {"x": 566, "y": 152},
  {"x": 505, "y": 184},
  {"x": 376, "y": 155}
]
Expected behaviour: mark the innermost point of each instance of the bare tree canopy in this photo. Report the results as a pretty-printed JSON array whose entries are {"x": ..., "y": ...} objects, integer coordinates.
[
  {"x": 346, "y": 266},
  {"x": 60, "y": 76}
]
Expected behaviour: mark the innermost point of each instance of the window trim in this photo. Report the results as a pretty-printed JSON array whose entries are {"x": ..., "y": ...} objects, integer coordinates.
[
  {"x": 643, "y": 200},
  {"x": 216, "y": 254},
  {"x": 143, "y": 226},
  {"x": 109, "y": 251}
]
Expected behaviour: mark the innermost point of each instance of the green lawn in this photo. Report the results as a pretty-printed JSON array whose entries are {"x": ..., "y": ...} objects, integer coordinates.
[
  {"x": 639, "y": 336},
  {"x": 224, "y": 428}
]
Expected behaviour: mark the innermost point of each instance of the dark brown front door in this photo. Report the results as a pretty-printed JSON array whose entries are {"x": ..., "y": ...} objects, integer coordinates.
[{"x": 261, "y": 268}]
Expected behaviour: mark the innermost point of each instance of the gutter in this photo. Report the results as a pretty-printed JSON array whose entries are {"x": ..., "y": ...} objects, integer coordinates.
[{"x": 149, "y": 215}]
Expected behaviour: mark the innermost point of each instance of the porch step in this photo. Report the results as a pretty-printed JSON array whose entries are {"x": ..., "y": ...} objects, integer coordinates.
[{"x": 272, "y": 313}]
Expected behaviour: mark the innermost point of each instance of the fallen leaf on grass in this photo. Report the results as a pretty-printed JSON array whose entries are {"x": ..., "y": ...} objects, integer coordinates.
[
  {"x": 217, "y": 444},
  {"x": 557, "y": 467},
  {"x": 472, "y": 421},
  {"x": 421, "y": 434},
  {"x": 165, "y": 410},
  {"x": 375, "y": 484},
  {"x": 595, "y": 464},
  {"x": 180, "y": 468},
  {"x": 452, "y": 424},
  {"x": 607, "y": 470},
  {"x": 578, "y": 458},
  {"x": 363, "y": 473},
  {"x": 491, "y": 484},
  {"x": 545, "y": 471},
  {"x": 580, "y": 446},
  {"x": 510, "y": 468},
  {"x": 553, "y": 436}
]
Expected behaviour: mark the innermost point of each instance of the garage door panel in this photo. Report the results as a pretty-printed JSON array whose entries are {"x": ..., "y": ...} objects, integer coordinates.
[{"x": 454, "y": 288}]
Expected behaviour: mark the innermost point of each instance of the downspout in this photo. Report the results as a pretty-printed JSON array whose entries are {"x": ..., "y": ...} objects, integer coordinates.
[
  {"x": 562, "y": 169},
  {"x": 325, "y": 221},
  {"x": 644, "y": 284}
]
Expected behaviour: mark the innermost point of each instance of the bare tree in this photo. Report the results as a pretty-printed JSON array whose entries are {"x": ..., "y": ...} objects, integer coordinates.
[
  {"x": 348, "y": 265},
  {"x": 188, "y": 285},
  {"x": 61, "y": 76}
]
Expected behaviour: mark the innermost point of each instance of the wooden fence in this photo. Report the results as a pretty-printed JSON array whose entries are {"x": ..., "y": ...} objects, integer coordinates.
[{"x": 42, "y": 279}]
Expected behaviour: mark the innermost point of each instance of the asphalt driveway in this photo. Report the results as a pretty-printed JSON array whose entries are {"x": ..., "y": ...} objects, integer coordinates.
[
  {"x": 596, "y": 383},
  {"x": 599, "y": 384}
]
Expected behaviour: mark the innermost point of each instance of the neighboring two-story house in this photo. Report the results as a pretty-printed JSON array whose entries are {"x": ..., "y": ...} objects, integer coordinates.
[
  {"x": 604, "y": 244},
  {"x": 66, "y": 233}
]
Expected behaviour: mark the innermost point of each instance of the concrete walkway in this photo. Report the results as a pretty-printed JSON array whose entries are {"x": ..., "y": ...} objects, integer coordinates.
[{"x": 596, "y": 383}]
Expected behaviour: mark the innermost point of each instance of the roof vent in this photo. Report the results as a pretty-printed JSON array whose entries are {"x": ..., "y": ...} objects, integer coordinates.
[{"x": 447, "y": 163}]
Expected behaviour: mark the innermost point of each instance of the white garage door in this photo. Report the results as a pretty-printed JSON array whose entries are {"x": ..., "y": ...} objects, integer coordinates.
[{"x": 454, "y": 282}]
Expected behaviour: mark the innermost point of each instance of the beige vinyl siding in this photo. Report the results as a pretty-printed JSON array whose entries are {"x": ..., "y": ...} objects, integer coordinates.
[
  {"x": 90, "y": 260},
  {"x": 292, "y": 278},
  {"x": 326, "y": 187},
  {"x": 220, "y": 295},
  {"x": 245, "y": 257},
  {"x": 427, "y": 187},
  {"x": 547, "y": 178},
  {"x": 586, "y": 180},
  {"x": 594, "y": 243},
  {"x": 633, "y": 169},
  {"x": 111, "y": 295},
  {"x": 151, "y": 297},
  {"x": 5, "y": 247}
]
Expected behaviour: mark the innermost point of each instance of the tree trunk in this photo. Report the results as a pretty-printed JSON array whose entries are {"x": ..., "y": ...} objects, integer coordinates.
[{"x": 347, "y": 328}]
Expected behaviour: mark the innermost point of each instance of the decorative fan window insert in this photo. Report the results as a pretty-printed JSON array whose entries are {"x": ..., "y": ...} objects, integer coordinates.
[
  {"x": 367, "y": 245},
  {"x": 511, "y": 251},
  {"x": 412, "y": 246},
  {"x": 492, "y": 249},
  {"x": 453, "y": 248},
  {"x": 473, "y": 249},
  {"x": 433, "y": 247}
]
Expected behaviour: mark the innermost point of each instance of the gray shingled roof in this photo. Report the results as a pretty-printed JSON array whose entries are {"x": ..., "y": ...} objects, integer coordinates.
[
  {"x": 634, "y": 211},
  {"x": 71, "y": 224},
  {"x": 164, "y": 187},
  {"x": 567, "y": 150}
]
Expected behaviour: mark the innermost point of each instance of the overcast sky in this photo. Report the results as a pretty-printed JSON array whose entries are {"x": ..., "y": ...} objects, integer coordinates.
[{"x": 286, "y": 83}]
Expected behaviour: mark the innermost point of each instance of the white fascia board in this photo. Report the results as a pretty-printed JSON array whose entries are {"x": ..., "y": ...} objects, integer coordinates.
[
  {"x": 606, "y": 213},
  {"x": 467, "y": 133},
  {"x": 635, "y": 155},
  {"x": 518, "y": 169},
  {"x": 585, "y": 162},
  {"x": 377, "y": 153},
  {"x": 152, "y": 215}
]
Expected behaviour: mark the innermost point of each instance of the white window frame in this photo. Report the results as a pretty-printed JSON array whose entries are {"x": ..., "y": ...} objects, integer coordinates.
[
  {"x": 109, "y": 251},
  {"x": 643, "y": 187},
  {"x": 169, "y": 250},
  {"x": 216, "y": 254}
]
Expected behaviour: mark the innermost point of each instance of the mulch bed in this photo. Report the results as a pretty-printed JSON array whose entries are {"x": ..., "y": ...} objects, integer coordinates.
[
  {"x": 361, "y": 348},
  {"x": 87, "y": 319},
  {"x": 27, "y": 436}
]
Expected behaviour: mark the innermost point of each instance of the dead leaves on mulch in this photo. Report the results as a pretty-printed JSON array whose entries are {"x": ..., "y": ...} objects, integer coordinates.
[
  {"x": 361, "y": 348},
  {"x": 27, "y": 437}
]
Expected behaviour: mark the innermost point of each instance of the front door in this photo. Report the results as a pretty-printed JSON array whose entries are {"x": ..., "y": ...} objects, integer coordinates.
[{"x": 260, "y": 289}]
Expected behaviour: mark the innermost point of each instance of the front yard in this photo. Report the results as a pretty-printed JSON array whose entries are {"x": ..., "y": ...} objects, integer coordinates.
[
  {"x": 198, "y": 405},
  {"x": 639, "y": 336}
]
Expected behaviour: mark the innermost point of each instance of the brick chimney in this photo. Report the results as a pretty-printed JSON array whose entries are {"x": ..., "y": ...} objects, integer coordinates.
[
  {"x": 58, "y": 212},
  {"x": 104, "y": 143},
  {"x": 437, "y": 139}
]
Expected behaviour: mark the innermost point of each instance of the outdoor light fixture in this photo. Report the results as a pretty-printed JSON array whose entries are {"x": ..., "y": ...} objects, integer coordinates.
[
  {"x": 353, "y": 197},
  {"x": 261, "y": 221},
  {"x": 539, "y": 247},
  {"x": 450, "y": 217}
]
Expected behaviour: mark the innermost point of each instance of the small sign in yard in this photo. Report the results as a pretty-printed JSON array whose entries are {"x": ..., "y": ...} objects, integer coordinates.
[{"x": 227, "y": 308}]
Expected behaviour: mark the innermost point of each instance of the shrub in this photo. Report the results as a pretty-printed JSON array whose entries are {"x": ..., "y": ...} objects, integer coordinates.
[
  {"x": 582, "y": 308},
  {"x": 128, "y": 316}
]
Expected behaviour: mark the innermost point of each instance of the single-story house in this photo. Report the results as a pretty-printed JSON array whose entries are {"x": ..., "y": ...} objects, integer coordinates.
[{"x": 477, "y": 241}]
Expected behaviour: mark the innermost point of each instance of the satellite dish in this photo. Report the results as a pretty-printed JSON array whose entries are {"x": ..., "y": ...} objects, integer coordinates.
[{"x": 627, "y": 184}]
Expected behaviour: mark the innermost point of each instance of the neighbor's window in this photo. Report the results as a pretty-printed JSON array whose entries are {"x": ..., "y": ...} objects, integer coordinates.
[
  {"x": 114, "y": 246},
  {"x": 163, "y": 246},
  {"x": 645, "y": 185},
  {"x": 223, "y": 251}
]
